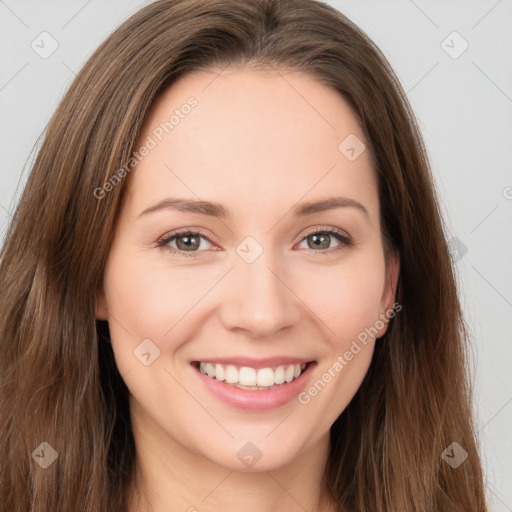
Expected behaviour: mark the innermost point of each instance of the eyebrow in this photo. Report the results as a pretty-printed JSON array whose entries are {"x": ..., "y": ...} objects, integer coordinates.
[{"x": 214, "y": 209}]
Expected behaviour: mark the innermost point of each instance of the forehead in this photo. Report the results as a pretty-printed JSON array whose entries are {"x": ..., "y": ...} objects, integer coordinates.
[{"x": 271, "y": 136}]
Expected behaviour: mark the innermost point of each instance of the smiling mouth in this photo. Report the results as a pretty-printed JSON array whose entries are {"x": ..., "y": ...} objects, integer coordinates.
[{"x": 253, "y": 379}]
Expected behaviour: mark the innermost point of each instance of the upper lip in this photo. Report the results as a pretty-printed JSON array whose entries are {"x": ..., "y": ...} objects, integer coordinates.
[{"x": 267, "y": 362}]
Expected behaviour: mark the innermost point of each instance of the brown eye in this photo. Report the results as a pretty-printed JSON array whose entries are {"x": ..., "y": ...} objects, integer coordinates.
[
  {"x": 186, "y": 242},
  {"x": 320, "y": 240}
]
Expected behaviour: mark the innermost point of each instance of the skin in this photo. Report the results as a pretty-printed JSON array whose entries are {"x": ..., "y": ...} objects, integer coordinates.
[{"x": 258, "y": 142}]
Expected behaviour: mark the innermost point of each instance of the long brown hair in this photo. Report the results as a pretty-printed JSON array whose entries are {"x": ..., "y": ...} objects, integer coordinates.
[{"x": 60, "y": 384}]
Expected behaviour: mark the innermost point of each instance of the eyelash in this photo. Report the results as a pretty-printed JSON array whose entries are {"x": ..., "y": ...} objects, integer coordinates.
[{"x": 345, "y": 240}]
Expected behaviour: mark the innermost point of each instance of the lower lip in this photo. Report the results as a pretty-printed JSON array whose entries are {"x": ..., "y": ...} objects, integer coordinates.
[{"x": 252, "y": 400}]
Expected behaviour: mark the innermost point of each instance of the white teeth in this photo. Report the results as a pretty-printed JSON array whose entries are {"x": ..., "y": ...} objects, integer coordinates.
[
  {"x": 279, "y": 375},
  {"x": 265, "y": 377},
  {"x": 247, "y": 376},
  {"x": 210, "y": 370},
  {"x": 289, "y": 372},
  {"x": 251, "y": 378},
  {"x": 231, "y": 374},
  {"x": 219, "y": 372}
]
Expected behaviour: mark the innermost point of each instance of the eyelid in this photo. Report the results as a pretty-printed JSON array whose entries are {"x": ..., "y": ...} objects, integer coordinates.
[{"x": 324, "y": 229}]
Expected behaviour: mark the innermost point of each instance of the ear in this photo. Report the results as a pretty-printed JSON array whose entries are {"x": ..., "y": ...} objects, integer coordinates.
[
  {"x": 101, "y": 311},
  {"x": 389, "y": 293}
]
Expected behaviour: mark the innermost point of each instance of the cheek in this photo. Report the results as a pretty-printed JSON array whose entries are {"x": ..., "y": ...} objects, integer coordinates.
[
  {"x": 151, "y": 296},
  {"x": 154, "y": 301},
  {"x": 134, "y": 300},
  {"x": 145, "y": 302},
  {"x": 351, "y": 310},
  {"x": 347, "y": 298},
  {"x": 336, "y": 382}
]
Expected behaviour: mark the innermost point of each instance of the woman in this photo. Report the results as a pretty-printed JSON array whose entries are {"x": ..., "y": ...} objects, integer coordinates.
[{"x": 163, "y": 345}]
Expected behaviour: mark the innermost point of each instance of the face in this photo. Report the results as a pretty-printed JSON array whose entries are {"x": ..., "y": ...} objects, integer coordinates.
[{"x": 257, "y": 285}]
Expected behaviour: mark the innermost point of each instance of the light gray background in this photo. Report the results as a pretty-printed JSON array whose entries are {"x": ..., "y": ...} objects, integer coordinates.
[{"x": 463, "y": 104}]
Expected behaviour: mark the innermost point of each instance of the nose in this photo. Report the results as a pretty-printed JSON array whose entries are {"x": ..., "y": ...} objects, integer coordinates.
[{"x": 259, "y": 299}]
